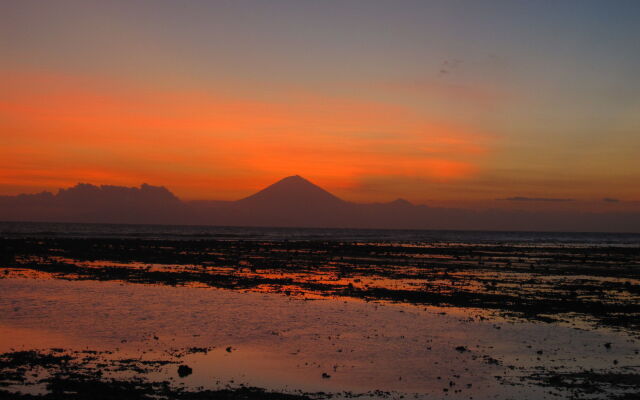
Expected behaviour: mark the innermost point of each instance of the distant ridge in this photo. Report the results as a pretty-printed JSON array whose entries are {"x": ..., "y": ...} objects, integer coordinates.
[
  {"x": 85, "y": 202},
  {"x": 291, "y": 202}
]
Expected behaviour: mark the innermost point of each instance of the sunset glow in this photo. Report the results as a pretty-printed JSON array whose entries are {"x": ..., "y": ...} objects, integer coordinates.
[
  {"x": 200, "y": 143},
  {"x": 212, "y": 112},
  {"x": 319, "y": 199}
]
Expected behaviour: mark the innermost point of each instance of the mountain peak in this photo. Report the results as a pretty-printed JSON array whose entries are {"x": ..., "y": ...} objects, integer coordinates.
[
  {"x": 293, "y": 189},
  {"x": 401, "y": 202},
  {"x": 293, "y": 179}
]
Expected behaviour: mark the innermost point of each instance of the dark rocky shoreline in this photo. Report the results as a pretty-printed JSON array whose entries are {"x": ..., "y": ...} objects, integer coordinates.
[{"x": 546, "y": 283}]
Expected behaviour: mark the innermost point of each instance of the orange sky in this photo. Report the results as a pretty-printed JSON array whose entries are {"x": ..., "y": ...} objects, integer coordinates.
[
  {"x": 203, "y": 146},
  {"x": 430, "y": 102}
]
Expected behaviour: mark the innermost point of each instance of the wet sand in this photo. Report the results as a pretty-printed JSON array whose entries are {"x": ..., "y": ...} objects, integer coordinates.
[{"x": 318, "y": 319}]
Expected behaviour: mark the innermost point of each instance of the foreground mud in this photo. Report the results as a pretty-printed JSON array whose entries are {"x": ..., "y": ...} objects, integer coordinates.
[
  {"x": 85, "y": 375},
  {"x": 135, "y": 318}
]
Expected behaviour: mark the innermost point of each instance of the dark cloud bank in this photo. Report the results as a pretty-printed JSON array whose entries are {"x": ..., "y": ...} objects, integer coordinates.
[{"x": 293, "y": 202}]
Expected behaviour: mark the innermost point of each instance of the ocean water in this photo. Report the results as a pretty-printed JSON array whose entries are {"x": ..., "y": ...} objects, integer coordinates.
[{"x": 193, "y": 232}]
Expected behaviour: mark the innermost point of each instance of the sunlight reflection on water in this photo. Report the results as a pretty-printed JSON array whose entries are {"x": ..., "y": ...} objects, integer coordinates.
[{"x": 280, "y": 342}]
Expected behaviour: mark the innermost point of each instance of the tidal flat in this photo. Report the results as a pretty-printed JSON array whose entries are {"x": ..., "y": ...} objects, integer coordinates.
[{"x": 238, "y": 317}]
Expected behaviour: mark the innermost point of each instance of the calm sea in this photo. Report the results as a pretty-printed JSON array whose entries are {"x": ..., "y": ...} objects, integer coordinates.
[{"x": 179, "y": 232}]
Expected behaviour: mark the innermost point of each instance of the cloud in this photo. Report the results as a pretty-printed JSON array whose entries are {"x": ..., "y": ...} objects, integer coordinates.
[
  {"x": 610, "y": 200},
  {"x": 544, "y": 199},
  {"x": 449, "y": 66}
]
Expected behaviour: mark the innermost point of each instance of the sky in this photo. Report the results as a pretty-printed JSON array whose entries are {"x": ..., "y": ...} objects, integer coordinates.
[{"x": 507, "y": 104}]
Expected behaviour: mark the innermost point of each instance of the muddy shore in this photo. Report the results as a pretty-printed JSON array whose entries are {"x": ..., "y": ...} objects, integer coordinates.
[{"x": 496, "y": 285}]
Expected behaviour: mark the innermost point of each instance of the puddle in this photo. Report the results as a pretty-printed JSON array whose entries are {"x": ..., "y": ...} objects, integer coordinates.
[{"x": 287, "y": 344}]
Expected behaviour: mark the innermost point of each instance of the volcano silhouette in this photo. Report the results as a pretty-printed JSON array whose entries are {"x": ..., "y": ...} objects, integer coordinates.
[
  {"x": 292, "y": 191},
  {"x": 290, "y": 202}
]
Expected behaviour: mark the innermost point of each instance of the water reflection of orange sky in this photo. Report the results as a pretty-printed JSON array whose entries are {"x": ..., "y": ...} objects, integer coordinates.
[
  {"x": 362, "y": 345},
  {"x": 328, "y": 281}
]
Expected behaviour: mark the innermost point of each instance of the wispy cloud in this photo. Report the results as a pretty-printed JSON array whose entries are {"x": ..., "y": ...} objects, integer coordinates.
[
  {"x": 610, "y": 200},
  {"x": 449, "y": 66},
  {"x": 543, "y": 199}
]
